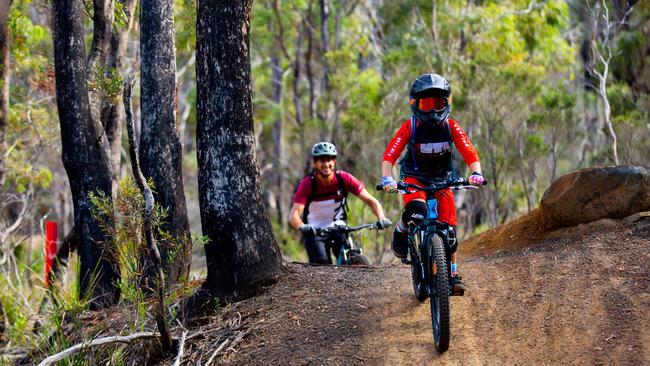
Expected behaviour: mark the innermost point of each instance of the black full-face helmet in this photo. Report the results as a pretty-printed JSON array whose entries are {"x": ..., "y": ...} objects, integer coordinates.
[{"x": 430, "y": 98}]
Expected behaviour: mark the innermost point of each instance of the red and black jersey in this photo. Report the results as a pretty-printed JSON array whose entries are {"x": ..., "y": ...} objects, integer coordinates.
[{"x": 429, "y": 151}]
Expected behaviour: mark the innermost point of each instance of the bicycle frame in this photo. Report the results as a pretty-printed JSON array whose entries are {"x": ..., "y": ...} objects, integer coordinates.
[
  {"x": 348, "y": 247},
  {"x": 430, "y": 226},
  {"x": 343, "y": 257}
]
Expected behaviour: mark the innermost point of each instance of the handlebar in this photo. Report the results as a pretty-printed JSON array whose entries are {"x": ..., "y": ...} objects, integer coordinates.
[
  {"x": 345, "y": 229},
  {"x": 435, "y": 186}
]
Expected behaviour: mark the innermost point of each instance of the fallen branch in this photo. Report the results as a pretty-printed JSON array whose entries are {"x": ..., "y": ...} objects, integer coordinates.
[
  {"x": 238, "y": 339},
  {"x": 203, "y": 332},
  {"x": 181, "y": 344},
  {"x": 97, "y": 342},
  {"x": 216, "y": 352},
  {"x": 161, "y": 316}
]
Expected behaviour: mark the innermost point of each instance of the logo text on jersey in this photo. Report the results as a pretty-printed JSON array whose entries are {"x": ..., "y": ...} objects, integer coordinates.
[{"x": 434, "y": 148}]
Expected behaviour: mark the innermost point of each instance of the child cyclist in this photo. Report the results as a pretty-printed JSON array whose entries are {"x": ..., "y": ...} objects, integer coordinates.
[{"x": 428, "y": 137}]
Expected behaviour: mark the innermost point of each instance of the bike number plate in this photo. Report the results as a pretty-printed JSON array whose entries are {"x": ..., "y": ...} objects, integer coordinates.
[{"x": 432, "y": 208}]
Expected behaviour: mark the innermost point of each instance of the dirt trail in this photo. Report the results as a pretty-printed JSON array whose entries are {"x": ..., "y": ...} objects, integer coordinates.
[{"x": 579, "y": 296}]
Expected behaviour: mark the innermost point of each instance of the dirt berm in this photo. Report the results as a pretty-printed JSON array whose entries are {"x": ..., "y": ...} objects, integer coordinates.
[{"x": 575, "y": 295}]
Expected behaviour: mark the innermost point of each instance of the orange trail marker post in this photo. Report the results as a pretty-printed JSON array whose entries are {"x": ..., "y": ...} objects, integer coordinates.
[{"x": 51, "y": 234}]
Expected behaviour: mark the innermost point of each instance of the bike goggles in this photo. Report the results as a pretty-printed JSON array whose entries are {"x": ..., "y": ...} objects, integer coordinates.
[{"x": 431, "y": 103}]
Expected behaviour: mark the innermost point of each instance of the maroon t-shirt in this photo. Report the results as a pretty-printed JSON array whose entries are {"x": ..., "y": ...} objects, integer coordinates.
[{"x": 327, "y": 206}]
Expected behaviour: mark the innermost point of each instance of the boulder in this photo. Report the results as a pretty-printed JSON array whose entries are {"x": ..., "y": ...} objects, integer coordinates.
[{"x": 595, "y": 193}]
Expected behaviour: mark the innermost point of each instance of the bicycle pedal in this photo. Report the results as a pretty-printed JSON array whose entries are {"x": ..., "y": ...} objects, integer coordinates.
[{"x": 405, "y": 261}]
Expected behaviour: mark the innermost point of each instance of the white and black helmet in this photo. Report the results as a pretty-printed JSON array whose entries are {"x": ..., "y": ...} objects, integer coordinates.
[{"x": 323, "y": 149}]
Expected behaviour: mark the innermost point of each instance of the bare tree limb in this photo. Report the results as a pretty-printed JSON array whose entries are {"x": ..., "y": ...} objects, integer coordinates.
[
  {"x": 280, "y": 34},
  {"x": 352, "y": 8},
  {"x": 161, "y": 316},
  {"x": 18, "y": 221},
  {"x": 97, "y": 342},
  {"x": 216, "y": 352},
  {"x": 531, "y": 6},
  {"x": 604, "y": 61},
  {"x": 181, "y": 344}
]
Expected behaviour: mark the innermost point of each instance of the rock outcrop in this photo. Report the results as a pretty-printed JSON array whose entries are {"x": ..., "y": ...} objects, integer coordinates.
[{"x": 595, "y": 193}]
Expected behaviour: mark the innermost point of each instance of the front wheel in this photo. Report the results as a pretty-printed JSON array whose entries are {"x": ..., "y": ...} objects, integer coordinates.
[{"x": 440, "y": 318}]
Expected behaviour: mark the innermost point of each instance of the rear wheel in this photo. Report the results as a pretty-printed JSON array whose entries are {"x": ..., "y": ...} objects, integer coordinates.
[
  {"x": 359, "y": 259},
  {"x": 440, "y": 320}
]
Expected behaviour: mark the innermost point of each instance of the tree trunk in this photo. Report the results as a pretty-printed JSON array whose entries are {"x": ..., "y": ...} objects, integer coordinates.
[
  {"x": 102, "y": 25},
  {"x": 494, "y": 170},
  {"x": 242, "y": 253},
  {"x": 297, "y": 71},
  {"x": 325, "y": 39},
  {"x": 308, "y": 66},
  {"x": 521, "y": 155},
  {"x": 160, "y": 147},
  {"x": 278, "y": 136},
  {"x": 4, "y": 84},
  {"x": 324, "y": 98},
  {"x": 602, "y": 92},
  {"x": 112, "y": 109},
  {"x": 84, "y": 154}
]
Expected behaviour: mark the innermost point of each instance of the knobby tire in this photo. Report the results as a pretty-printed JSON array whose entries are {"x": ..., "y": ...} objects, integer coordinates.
[
  {"x": 440, "y": 317},
  {"x": 360, "y": 259}
]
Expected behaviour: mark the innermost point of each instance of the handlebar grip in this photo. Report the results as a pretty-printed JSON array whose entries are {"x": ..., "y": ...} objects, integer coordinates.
[{"x": 379, "y": 187}]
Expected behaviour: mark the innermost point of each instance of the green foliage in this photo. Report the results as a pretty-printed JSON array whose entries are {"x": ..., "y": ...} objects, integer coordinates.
[
  {"x": 119, "y": 15},
  {"x": 26, "y": 36},
  {"x": 185, "y": 25},
  {"x": 123, "y": 220},
  {"x": 290, "y": 243},
  {"x": 361, "y": 92},
  {"x": 629, "y": 45},
  {"x": 621, "y": 99},
  {"x": 21, "y": 293},
  {"x": 21, "y": 176},
  {"x": 108, "y": 82},
  {"x": 15, "y": 311}
]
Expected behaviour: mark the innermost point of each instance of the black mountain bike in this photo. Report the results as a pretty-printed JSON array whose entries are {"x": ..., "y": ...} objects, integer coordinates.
[
  {"x": 350, "y": 253},
  {"x": 429, "y": 254}
]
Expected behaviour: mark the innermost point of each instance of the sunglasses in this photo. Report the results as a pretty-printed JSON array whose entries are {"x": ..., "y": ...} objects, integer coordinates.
[{"x": 431, "y": 103}]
